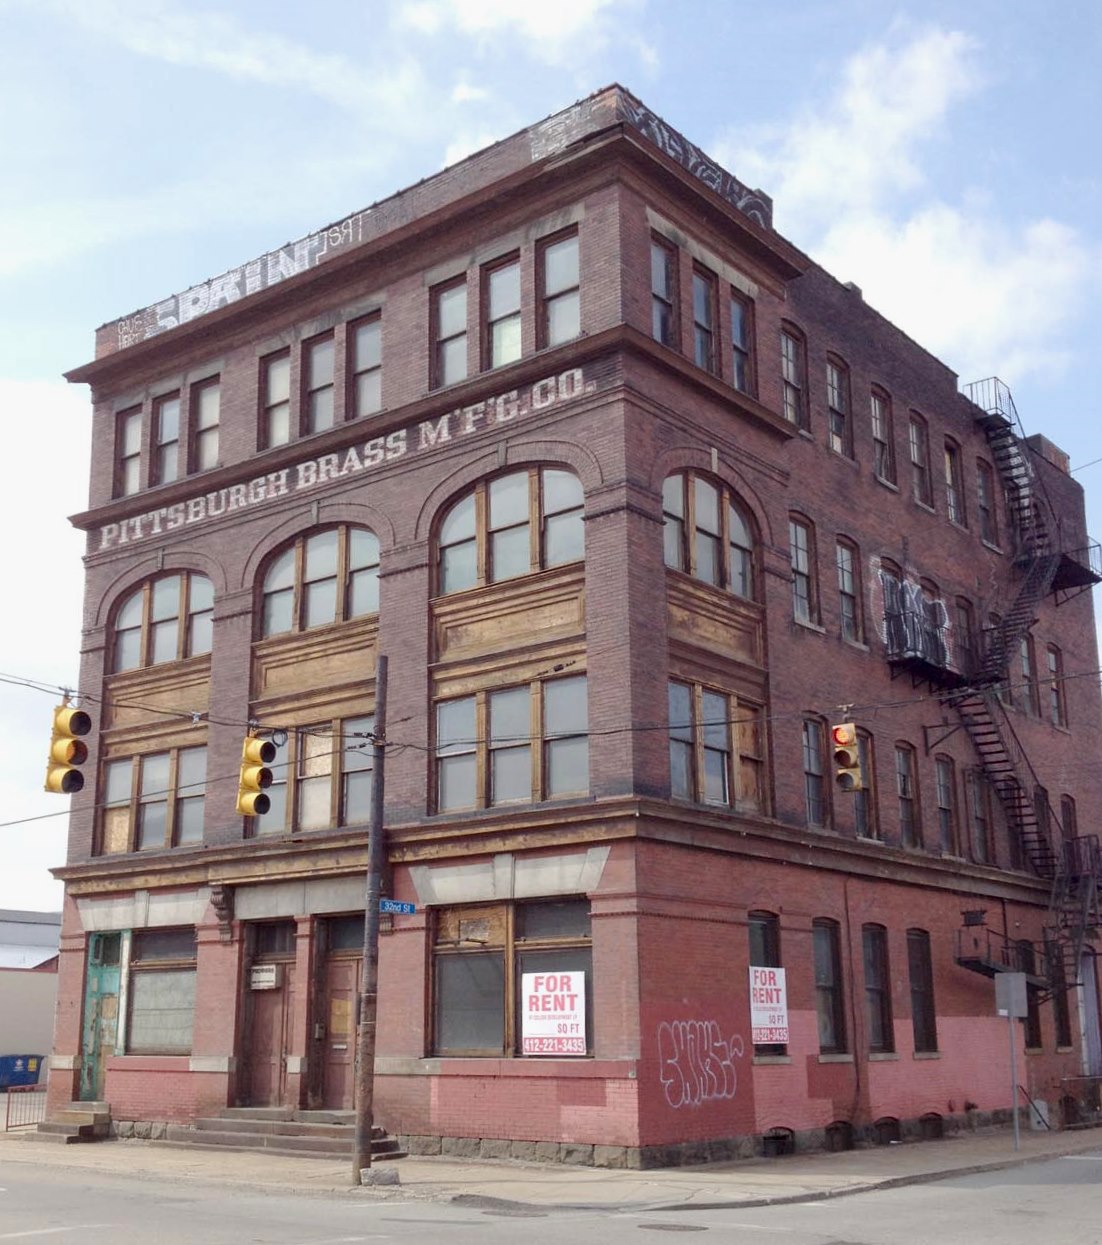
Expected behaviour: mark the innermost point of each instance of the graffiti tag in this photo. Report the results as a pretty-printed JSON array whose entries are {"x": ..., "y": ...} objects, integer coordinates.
[{"x": 696, "y": 1064}]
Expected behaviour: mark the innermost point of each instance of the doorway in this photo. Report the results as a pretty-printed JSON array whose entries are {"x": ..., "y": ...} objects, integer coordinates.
[{"x": 269, "y": 1014}]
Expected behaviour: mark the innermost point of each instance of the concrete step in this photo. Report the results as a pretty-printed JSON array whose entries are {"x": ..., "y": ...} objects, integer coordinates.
[
  {"x": 72, "y": 1132},
  {"x": 286, "y": 1151},
  {"x": 258, "y": 1113},
  {"x": 278, "y": 1143},
  {"x": 284, "y": 1128},
  {"x": 75, "y": 1115}
]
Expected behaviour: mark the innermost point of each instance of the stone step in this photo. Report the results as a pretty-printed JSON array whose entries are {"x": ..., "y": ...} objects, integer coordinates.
[
  {"x": 285, "y": 1151},
  {"x": 284, "y": 1128},
  {"x": 78, "y": 1115},
  {"x": 75, "y": 1131},
  {"x": 278, "y": 1143},
  {"x": 258, "y": 1113}
]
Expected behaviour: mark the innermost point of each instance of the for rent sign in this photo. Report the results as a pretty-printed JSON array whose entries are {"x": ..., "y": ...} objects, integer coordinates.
[
  {"x": 768, "y": 1006},
  {"x": 553, "y": 1013}
]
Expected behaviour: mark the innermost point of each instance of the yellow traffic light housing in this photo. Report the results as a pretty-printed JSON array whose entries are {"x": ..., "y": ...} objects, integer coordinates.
[
  {"x": 256, "y": 756},
  {"x": 67, "y": 750},
  {"x": 847, "y": 757}
]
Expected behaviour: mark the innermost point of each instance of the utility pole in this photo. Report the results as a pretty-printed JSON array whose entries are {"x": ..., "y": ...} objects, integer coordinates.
[{"x": 369, "y": 984}]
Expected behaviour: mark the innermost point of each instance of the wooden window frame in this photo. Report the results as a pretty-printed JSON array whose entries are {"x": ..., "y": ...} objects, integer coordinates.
[
  {"x": 134, "y": 800},
  {"x": 489, "y": 321},
  {"x": 850, "y": 597},
  {"x": 918, "y": 451},
  {"x": 705, "y": 332},
  {"x": 343, "y": 577},
  {"x": 742, "y": 351},
  {"x": 1031, "y": 697},
  {"x": 876, "y": 961},
  {"x": 546, "y": 299},
  {"x": 741, "y": 749},
  {"x": 482, "y": 746},
  {"x": 830, "y": 989},
  {"x": 687, "y": 529},
  {"x": 866, "y": 802},
  {"x": 794, "y": 378},
  {"x": 124, "y": 421},
  {"x": 271, "y": 406},
  {"x": 438, "y": 379},
  {"x": 987, "y": 503},
  {"x": 185, "y": 615},
  {"x": 1057, "y": 699},
  {"x": 948, "y": 815},
  {"x": 356, "y": 370},
  {"x": 200, "y": 434},
  {"x": 178, "y": 967},
  {"x": 980, "y": 821},
  {"x": 955, "y": 502},
  {"x": 162, "y": 446},
  {"x": 920, "y": 977},
  {"x": 883, "y": 435},
  {"x": 803, "y": 561},
  {"x": 908, "y": 797},
  {"x": 669, "y": 298},
  {"x": 839, "y": 408},
  {"x": 813, "y": 746},
  {"x": 311, "y": 386},
  {"x": 764, "y": 951}
]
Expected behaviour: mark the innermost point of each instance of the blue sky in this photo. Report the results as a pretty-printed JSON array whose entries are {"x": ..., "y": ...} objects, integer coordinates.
[{"x": 944, "y": 156}]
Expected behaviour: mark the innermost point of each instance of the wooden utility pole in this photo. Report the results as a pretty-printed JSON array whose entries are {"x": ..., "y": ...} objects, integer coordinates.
[{"x": 369, "y": 984}]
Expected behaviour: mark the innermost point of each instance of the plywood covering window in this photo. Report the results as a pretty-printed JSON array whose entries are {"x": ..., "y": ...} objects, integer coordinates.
[
  {"x": 162, "y": 992},
  {"x": 327, "y": 576},
  {"x": 480, "y": 955},
  {"x": 510, "y": 525},
  {"x": 166, "y": 619}
]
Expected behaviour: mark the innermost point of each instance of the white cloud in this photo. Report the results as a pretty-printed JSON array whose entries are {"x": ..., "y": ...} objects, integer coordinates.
[{"x": 849, "y": 186}]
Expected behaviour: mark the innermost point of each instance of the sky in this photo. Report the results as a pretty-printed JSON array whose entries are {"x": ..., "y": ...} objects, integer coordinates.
[{"x": 942, "y": 155}]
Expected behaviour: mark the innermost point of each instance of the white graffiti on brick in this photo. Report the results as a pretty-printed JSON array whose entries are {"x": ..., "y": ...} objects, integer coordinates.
[{"x": 696, "y": 1064}]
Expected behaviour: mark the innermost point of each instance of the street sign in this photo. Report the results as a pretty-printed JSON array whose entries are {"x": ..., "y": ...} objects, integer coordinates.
[{"x": 397, "y": 906}]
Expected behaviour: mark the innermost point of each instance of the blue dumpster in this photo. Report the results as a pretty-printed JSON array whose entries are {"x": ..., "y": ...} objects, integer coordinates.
[{"x": 20, "y": 1069}]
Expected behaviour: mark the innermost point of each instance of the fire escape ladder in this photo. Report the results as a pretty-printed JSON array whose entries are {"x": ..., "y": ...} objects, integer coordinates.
[
  {"x": 1008, "y": 633},
  {"x": 1003, "y": 760},
  {"x": 1076, "y": 909}
]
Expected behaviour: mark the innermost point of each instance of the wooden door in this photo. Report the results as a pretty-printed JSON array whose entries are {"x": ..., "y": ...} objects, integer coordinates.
[
  {"x": 101, "y": 1013},
  {"x": 342, "y": 983},
  {"x": 267, "y": 1040}
]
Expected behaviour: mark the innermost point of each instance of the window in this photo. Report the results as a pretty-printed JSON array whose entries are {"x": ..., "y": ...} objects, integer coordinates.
[
  {"x": 742, "y": 359},
  {"x": 793, "y": 403},
  {"x": 921, "y": 972},
  {"x": 829, "y": 1003},
  {"x": 704, "y": 319},
  {"x": 815, "y": 793},
  {"x": 883, "y": 437},
  {"x": 512, "y": 525},
  {"x": 954, "y": 486},
  {"x": 206, "y": 401},
  {"x": 128, "y": 452},
  {"x": 501, "y": 300},
  {"x": 805, "y": 596},
  {"x": 946, "y": 778},
  {"x": 1057, "y": 705},
  {"x": 906, "y": 787},
  {"x": 849, "y": 596},
  {"x": 512, "y": 745},
  {"x": 560, "y": 295},
  {"x": 324, "y": 577},
  {"x": 1061, "y": 1011},
  {"x": 317, "y": 379},
  {"x": 840, "y": 426},
  {"x": 878, "y": 989},
  {"x": 275, "y": 389},
  {"x": 979, "y": 799},
  {"x": 449, "y": 333},
  {"x": 663, "y": 291},
  {"x": 919, "y": 442},
  {"x": 1030, "y": 699},
  {"x": 964, "y": 654},
  {"x": 716, "y": 748},
  {"x": 1031, "y": 1022},
  {"x": 321, "y": 777},
  {"x": 366, "y": 342},
  {"x": 985, "y": 500},
  {"x": 166, "y": 439},
  {"x": 708, "y": 534},
  {"x": 480, "y": 956},
  {"x": 153, "y": 801},
  {"x": 765, "y": 952},
  {"x": 1069, "y": 817},
  {"x": 162, "y": 992},
  {"x": 865, "y": 805},
  {"x": 166, "y": 619}
]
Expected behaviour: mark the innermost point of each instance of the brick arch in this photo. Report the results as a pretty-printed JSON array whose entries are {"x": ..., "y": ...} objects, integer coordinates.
[
  {"x": 152, "y": 567},
  {"x": 329, "y": 514},
  {"x": 687, "y": 457},
  {"x": 545, "y": 453}
]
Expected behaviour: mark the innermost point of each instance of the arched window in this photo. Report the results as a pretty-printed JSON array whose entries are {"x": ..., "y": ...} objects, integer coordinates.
[
  {"x": 708, "y": 533},
  {"x": 166, "y": 619},
  {"x": 323, "y": 577},
  {"x": 511, "y": 525}
]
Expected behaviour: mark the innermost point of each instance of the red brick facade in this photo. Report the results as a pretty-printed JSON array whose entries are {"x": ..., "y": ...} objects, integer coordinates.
[{"x": 670, "y": 844}]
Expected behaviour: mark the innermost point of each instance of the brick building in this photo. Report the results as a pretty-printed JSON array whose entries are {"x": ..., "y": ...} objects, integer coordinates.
[{"x": 635, "y": 498}]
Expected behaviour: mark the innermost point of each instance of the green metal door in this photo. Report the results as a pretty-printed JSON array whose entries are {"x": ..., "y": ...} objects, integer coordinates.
[{"x": 101, "y": 1013}]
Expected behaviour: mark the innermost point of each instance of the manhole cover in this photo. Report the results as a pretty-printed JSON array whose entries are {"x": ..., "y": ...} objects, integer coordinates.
[{"x": 674, "y": 1227}]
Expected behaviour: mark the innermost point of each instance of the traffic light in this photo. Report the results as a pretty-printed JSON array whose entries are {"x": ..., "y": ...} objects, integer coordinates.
[
  {"x": 67, "y": 750},
  {"x": 256, "y": 756},
  {"x": 847, "y": 757}
]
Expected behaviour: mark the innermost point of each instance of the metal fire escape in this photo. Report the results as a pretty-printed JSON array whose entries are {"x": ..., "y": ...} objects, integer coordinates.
[{"x": 1072, "y": 864}]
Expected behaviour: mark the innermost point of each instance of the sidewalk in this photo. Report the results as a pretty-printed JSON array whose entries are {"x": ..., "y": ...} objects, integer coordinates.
[{"x": 752, "y": 1182}]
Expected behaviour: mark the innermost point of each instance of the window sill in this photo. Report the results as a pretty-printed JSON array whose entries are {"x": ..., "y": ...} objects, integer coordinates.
[
  {"x": 989, "y": 545},
  {"x": 890, "y": 485},
  {"x": 497, "y": 1066},
  {"x": 883, "y": 1056},
  {"x": 961, "y": 527},
  {"x": 924, "y": 505},
  {"x": 766, "y": 1061},
  {"x": 1065, "y": 1050},
  {"x": 808, "y": 625},
  {"x": 841, "y": 1057},
  {"x": 806, "y": 434},
  {"x": 859, "y": 645},
  {"x": 848, "y": 459},
  {"x": 926, "y": 1054}
]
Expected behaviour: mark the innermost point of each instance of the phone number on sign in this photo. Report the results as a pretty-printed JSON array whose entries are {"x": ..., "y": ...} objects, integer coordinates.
[
  {"x": 765, "y": 1037},
  {"x": 554, "y": 1046}
]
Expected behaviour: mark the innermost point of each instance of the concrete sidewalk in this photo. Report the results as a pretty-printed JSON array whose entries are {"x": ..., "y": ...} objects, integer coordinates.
[{"x": 753, "y": 1182}]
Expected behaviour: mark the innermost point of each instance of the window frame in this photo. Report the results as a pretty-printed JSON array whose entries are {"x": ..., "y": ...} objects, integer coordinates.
[
  {"x": 167, "y": 455},
  {"x": 980, "y": 820},
  {"x": 813, "y": 745},
  {"x": 290, "y": 775},
  {"x": 127, "y": 464},
  {"x": 358, "y": 369},
  {"x": 850, "y": 597},
  {"x": 803, "y": 563},
  {"x": 199, "y": 433},
  {"x": 548, "y": 298},
  {"x": 920, "y": 977},
  {"x": 668, "y": 297},
  {"x": 688, "y": 532},
  {"x": 482, "y": 539},
  {"x": 866, "y": 802},
  {"x": 439, "y": 377},
  {"x": 918, "y": 450},
  {"x": 763, "y": 931},
  {"x": 483, "y": 746},
  {"x": 344, "y": 577},
  {"x": 318, "y": 391},
  {"x": 743, "y": 369},
  {"x": 705, "y": 330},
  {"x": 1032, "y": 1032},
  {"x": 273, "y": 406},
  {"x": 743, "y": 723},
  {"x": 948, "y": 815},
  {"x": 829, "y": 988},
  {"x": 1057, "y": 700},
  {"x": 883, "y": 436},
  {"x": 794, "y": 378},
  {"x": 876, "y": 962},
  {"x": 955, "y": 502},
  {"x": 839, "y": 408},
  {"x": 180, "y": 969},
  {"x": 185, "y": 618},
  {"x": 490, "y": 322},
  {"x": 137, "y": 798},
  {"x": 987, "y": 503},
  {"x": 908, "y": 798},
  {"x": 1027, "y": 656}
]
